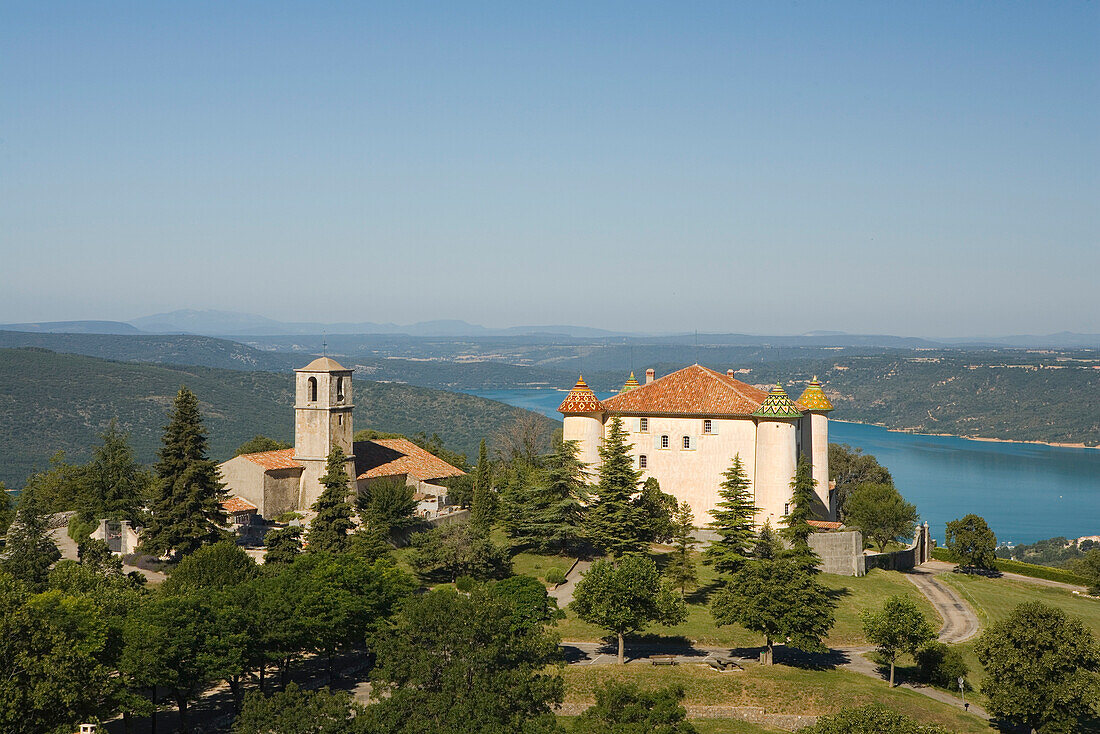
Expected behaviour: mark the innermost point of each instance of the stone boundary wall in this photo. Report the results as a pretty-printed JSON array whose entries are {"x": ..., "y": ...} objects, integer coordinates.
[
  {"x": 917, "y": 553},
  {"x": 841, "y": 552},
  {"x": 750, "y": 714}
]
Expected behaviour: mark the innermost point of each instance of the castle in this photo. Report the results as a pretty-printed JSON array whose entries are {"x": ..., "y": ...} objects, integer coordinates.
[
  {"x": 274, "y": 482},
  {"x": 686, "y": 427}
]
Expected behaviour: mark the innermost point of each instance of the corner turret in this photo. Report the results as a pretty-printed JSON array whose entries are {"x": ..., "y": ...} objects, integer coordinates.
[
  {"x": 583, "y": 420},
  {"x": 815, "y": 440}
]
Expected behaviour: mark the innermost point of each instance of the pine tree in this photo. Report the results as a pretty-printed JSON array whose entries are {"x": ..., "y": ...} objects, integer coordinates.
[
  {"x": 767, "y": 546},
  {"x": 680, "y": 570},
  {"x": 616, "y": 525},
  {"x": 798, "y": 529},
  {"x": 328, "y": 531},
  {"x": 733, "y": 522},
  {"x": 549, "y": 512},
  {"x": 30, "y": 551},
  {"x": 482, "y": 509},
  {"x": 115, "y": 484},
  {"x": 186, "y": 510}
]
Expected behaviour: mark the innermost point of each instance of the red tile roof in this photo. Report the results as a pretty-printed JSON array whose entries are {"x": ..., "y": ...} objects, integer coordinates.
[
  {"x": 236, "y": 504},
  {"x": 387, "y": 457},
  {"x": 825, "y": 525},
  {"x": 281, "y": 459},
  {"x": 580, "y": 399},
  {"x": 694, "y": 390}
]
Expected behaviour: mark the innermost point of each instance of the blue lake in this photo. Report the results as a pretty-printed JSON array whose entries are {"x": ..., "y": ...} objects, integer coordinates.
[{"x": 1026, "y": 492}]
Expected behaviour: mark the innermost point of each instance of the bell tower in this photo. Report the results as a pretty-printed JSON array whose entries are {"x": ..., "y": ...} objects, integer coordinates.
[{"x": 322, "y": 421}]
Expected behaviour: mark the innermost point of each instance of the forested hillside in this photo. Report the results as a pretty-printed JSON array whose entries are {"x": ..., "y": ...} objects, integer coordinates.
[{"x": 53, "y": 402}]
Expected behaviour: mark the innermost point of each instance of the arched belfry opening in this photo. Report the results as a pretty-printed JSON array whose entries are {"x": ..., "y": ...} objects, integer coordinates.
[
  {"x": 311, "y": 387},
  {"x": 339, "y": 389}
]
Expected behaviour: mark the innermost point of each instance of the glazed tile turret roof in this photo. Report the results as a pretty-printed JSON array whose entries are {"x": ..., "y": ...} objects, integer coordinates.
[
  {"x": 694, "y": 390},
  {"x": 580, "y": 399},
  {"x": 778, "y": 405},
  {"x": 630, "y": 384},
  {"x": 813, "y": 398}
]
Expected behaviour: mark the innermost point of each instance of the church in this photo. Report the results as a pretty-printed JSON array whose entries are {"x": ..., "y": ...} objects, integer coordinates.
[
  {"x": 274, "y": 482},
  {"x": 686, "y": 427}
]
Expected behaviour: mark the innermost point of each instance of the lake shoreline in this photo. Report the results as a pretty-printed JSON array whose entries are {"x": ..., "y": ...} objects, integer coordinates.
[{"x": 984, "y": 439}]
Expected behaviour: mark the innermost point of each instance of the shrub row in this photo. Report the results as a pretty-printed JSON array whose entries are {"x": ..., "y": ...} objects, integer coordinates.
[{"x": 1019, "y": 567}]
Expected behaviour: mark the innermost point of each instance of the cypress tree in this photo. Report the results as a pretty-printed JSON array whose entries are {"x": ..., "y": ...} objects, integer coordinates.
[
  {"x": 332, "y": 521},
  {"x": 186, "y": 510},
  {"x": 482, "y": 508},
  {"x": 617, "y": 525},
  {"x": 733, "y": 522},
  {"x": 798, "y": 529}
]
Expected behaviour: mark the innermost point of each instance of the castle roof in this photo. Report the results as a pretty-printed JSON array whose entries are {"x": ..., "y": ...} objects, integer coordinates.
[
  {"x": 580, "y": 399},
  {"x": 323, "y": 364},
  {"x": 778, "y": 405},
  {"x": 387, "y": 457},
  {"x": 694, "y": 390},
  {"x": 813, "y": 398},
  {"x": 281, "y": 459},
  {"x": 630, "y": 384}
]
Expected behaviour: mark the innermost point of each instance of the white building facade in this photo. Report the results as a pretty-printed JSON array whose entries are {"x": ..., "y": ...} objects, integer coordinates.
[{"x": 686, "y": 427}]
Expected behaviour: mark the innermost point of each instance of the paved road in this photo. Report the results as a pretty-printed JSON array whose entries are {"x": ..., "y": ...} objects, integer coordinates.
[
  {"x": 959, "y": 621},
  {"x": 564, "y": 592}
]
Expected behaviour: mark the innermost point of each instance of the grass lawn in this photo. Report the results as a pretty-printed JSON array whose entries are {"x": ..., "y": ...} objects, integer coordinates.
[
  {"x": 532, "y": 564},
  {"x": 853, "y": 595},
  {"x": 707, "y": 726},
  {"x": 994, "y": 599},
  {"x": 778, "y": 689}
]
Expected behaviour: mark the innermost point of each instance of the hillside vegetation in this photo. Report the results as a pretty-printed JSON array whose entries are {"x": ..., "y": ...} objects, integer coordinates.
[{"x": 59, "y": 402}]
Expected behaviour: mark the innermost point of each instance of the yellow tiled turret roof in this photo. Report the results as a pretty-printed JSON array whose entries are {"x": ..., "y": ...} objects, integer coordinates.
[
  {"x": 630, "y": 384},
  {"x": 580, "y": 399},
  {"x": 813, "y": 398},
  {"x": 778, "y": 405}
]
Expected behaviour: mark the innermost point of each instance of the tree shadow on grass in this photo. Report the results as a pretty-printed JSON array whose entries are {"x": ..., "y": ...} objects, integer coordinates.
[{"x": 828, "y": 660}]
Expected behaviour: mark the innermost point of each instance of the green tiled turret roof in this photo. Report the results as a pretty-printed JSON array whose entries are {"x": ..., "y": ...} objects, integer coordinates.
[
  {"x": 813, "y": 398},
  {"x": 631, "y": 383},
  {"x": 778, "y": 405}
]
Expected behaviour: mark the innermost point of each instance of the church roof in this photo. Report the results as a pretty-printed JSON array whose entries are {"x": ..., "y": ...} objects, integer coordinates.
[
  {"x": 813, "y": 398},
  {"x": 778, "y": 405},
  {"x": 694, "y": 390},
  {"x": 580, "y": 399},
  {"x": 630, "y": 384},
  {"x": 387, "y": 457},
  {"x": 281, "y": 459},
  {"x": 323, "y": 364},
  {"x": 237, "y": 504}
]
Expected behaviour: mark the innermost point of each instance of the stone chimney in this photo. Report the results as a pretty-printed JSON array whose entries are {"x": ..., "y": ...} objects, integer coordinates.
[
  {"x": 649, "y": 375},
  {"x": 729, "y": 372}
]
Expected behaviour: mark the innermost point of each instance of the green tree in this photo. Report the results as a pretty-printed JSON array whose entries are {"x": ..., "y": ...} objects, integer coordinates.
[
  {"x": 767, "y": 546},
  {"x": 849, "y": 468},
  {"x": 1040, "y": 666},
  {"x": 29, "y": 550},
  {"x": 294, "y": 711},
  {"x": 114, "y": 484},
  {"x": 941, "y": 664},
  {"x": 237, "y": 648},
  {"x": 972, "y": 541},
  {"x": 898, "y": 627},
  {"x": 446, "y": 552},
  {"x": 260, "y": 443},
  {"x": 1089, "y": 567},
  {"x": 530, "y": 603},
  {"x": 7, "y": 512},
  {"x": 282, "y": 545},
  {"x": 453, "y": 663},
  {"x": 871, "y": 719},
  {"x": 657, "y": 509},
  {"x": 186, "y": 508},
  {"x": 881, "y": 513},
  {"x": 56, "y": 489},
  {"x": 387, "y": 504},
  {"x": 550, "y": 516},
  {"x": 804, "y": 501},
  {"x": 328, "y": 532},
  {"x": 616, "y": 524},
  {"x": 483, "y": 503},
  {"x": 733, "y": 522},
  {"x": 624, "y": 708},
  {"x": 625, "y": 596},
  {"x": 680, "y": 570},
  {"x": 212, "y": 568},
  {"x": 779, "y": 599}
]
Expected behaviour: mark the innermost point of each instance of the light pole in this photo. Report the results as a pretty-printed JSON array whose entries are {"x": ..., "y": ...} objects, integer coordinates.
[{"x": 962, "y": 693}]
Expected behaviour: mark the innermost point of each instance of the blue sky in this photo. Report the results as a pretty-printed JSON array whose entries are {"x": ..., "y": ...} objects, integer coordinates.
[{"x": 911, "y": 168}]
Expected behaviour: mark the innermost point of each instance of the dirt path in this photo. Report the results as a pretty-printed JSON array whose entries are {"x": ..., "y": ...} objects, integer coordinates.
[
  {"x": 564, "y": 592},
  {"x": 959, "y": 621},
  {"x": 940, "y": 566}
]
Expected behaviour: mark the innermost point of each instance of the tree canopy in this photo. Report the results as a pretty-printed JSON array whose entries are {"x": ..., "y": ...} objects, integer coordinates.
[
  {"x": 328, "y": 531},
  {"x": 881, "y": 513},
  {"x": 734, "y": 518},
  {"x": 871, "y": 719},
  {"x": 899, "y": 626},
  {"x": 972, "y": 541},
  {"x": 624, "y": 708},
  {"x": 616, "y": 524}
]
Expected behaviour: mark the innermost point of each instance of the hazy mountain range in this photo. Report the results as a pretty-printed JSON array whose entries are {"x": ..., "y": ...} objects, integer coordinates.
[{"x": 232, "y": 323}]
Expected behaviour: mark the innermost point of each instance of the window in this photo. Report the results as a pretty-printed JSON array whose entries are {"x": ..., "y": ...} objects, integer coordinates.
[
  {"x": 643, "y": 425},
  {"x": 339, "y": 389},
  {"x": 708, "y": 425},
  {"x": 643, "y": 462},
  {"x": 311, "y": 386},
  {"x": 664, "y": 441},
  {"x": 686, "y": 442},
  {"x": 340, "y": 419},
  {"x": 786, "y": 508}
]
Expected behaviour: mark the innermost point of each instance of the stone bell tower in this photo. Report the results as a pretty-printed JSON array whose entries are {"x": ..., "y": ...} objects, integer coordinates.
[{"x": 322, "y": 421}]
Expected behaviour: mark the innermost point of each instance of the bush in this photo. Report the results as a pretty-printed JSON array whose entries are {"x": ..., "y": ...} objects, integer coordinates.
[
  {"x": 465, "y": 584},
  {"x": 871, "y": 719},
  {"x": 79, "y": 530},
  {"x": 941, "y": 665},
  {"x": 285, "y": 517},
  {"x": 555, "y": 576}
]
